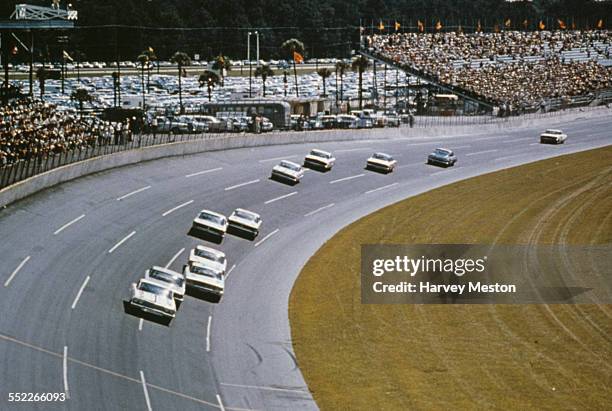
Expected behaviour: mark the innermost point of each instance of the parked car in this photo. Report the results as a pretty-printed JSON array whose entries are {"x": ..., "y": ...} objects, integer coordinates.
[
  {"x": 443, "y": 157},
  {"x": 551, "y": 136},
  {"x": 382, "y": 162},
  {"x": 152, "y": 298}
]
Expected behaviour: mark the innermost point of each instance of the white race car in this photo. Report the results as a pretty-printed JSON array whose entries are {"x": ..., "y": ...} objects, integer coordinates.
[
  {"x": 169, "y": 279},
  {"x": 245, "y": 221},
  {"x": 209, "y": 257},
  {"x": 381, "y": 161},
  {"x": 319, "y": 159},
  {"x": 288, "y": 170},
  {"x": 153, "y": 298},
  {"x": 204, "y": 278},
  {"x": 211, "y": 222},
  {"x": 553, "y": 137}
]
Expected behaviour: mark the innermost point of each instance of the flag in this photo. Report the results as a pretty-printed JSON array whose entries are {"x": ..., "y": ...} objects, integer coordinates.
[
  {"x": 439, "y": 25},
  {"x": 525, "y": 23},
  {"x": 297, "y": 57},
  {"x": 507, "y": 23},
  {"x": 573, "y": 25},
  {"x": 496, "y": 28},
  {"x": 66, "y": 55},
  {"x": 420, "y": 26},
  {"x": 478, "y": 27},
  {"x": 562, "y": 25},
  {"x": 599, "y": 24},
  {"x": 381, "y": 26},
  {"x": 397, "y": 26},
  {"x": 151, "y": 50},
  {"x": 542, "y": 26},
  {"x": 14, "y": 50}
]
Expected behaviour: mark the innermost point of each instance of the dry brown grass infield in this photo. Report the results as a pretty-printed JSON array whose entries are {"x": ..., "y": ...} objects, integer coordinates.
[{"x": 434, "y": 357}]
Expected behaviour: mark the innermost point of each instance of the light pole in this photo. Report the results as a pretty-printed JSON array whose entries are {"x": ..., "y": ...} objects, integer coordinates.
[{"x": 249, "y": 58}]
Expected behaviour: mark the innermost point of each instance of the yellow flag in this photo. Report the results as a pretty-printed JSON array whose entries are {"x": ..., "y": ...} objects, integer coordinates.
[
  {"x": 397, "y": 26},
  {"x": 507, "y": 23},
  {"x": 381, "y": 26},
  {"x": 439, "y": 25},
  {"x": 420, "y": 25},
  {"x": 562, "y": 25},
  {"x": 542, "y": 26},
  {"x": 600, "y": 24}
]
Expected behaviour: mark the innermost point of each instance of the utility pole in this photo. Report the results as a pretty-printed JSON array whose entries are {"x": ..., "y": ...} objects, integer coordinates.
[{"x": 250, "y": 65}]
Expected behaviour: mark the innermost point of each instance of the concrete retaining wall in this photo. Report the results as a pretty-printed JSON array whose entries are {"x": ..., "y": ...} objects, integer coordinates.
[{"x": 69, "y": 172}]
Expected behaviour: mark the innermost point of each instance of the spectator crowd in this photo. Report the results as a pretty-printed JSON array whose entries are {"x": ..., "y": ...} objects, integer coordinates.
[
  {"x": 510, "y": 68},
  {"x": 35, "y": 129}
]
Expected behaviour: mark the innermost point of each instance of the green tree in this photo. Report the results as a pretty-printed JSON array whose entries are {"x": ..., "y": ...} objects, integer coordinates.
[
  {"x": 222, "y": 65},
  {"x": 324, "y": 73},
  {"x": 291, "y": 47},
  {"x": 81, "y": 95},
  {"x": 264, "y": 71},
  {"x": 181, "y": 60},
  {"x": 360, "y": 64},
  {"x": 209, "y": 79}
]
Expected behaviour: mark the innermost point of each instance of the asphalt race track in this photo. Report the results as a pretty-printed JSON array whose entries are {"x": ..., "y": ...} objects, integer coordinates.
[{"x": 63, "y": 327}]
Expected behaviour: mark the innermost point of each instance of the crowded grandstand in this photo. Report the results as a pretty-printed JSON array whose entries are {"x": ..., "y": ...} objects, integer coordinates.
[{"x": 517, "y": 70}]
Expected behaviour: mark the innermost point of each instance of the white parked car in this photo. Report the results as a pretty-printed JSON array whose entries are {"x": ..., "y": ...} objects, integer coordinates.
[
  {"x": 169, "y": 279},
  {"x": 553, "y": 137},
  {"x": 320, "y": 159},
  {"x": 246, "y": 221},
  {"x": 153, "y": 299},
  {"x": 381, "y": 161},
  {"x": 288, "y": 170},
  {"x": 204, "y": 278},
  {"x": 211, "y": 222},
  {"x": 209, "y": 257}
]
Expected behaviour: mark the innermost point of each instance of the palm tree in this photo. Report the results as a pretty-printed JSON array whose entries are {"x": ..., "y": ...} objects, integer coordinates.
[
  {"x": 209, "y": 78},
  {"x": 81, "y": 95},
  {"x": 222, "y": 65},
  {"x": 324, "y": 73},
  {"x": 341, "y": 68},
  {"x": 150, "y": 53},
  {"x": 143, "y": 59},
  {"x": 264, "y": 71},
  {"x": 293, "y": 46},
  {"x": 360, "y": 64},
  {"x": 181, "y": 60}
]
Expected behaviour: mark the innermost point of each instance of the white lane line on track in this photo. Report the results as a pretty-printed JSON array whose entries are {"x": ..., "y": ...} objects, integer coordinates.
[
  {"x": 481, "y": 152},
  {"x": 208, "y": 333},
  {"x": 199, "y": 173},
  {"x": 346, "y": 178},
  {"x": 78, "y": 296},
  {"x": 458, "y": 147},
  {"x": 441, "y": 172},
  {"x": 65, "y": 226},
  {"x": 14, "y": 273},
  {"x": 65, "y": 372},
  {"x": 424, "y": 143},
  {"x": 259, "y": 387},
  {"x": 140, "y": 324},
  {"x": 221, "y": 407},
  {"x": 230, "y": 271},
  {"x": 140, "y": 190},
  {"x": 348, "y": 150},
  {"x": 257, "y": 244},
  {"x": 172, "y": 210},
  {"x": 516, "y": 140},
  {"x": 106, "y": 371},
  {"x": 281, "y": 197},
  {"x": 411, "y": 165},
  {"x": 381, "y": 188},
  {"x": 242, "y": 184},
  {"x": 319, "y": 209},
  {"x": 535, "y": 144},
  {"x": 507, "y": 157},
  {"x": 127, "y": 237},
  {"x": 146, "y": 392},
  {"x": 277, "y": 158},
  {"x": 173, "y": 259}
]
